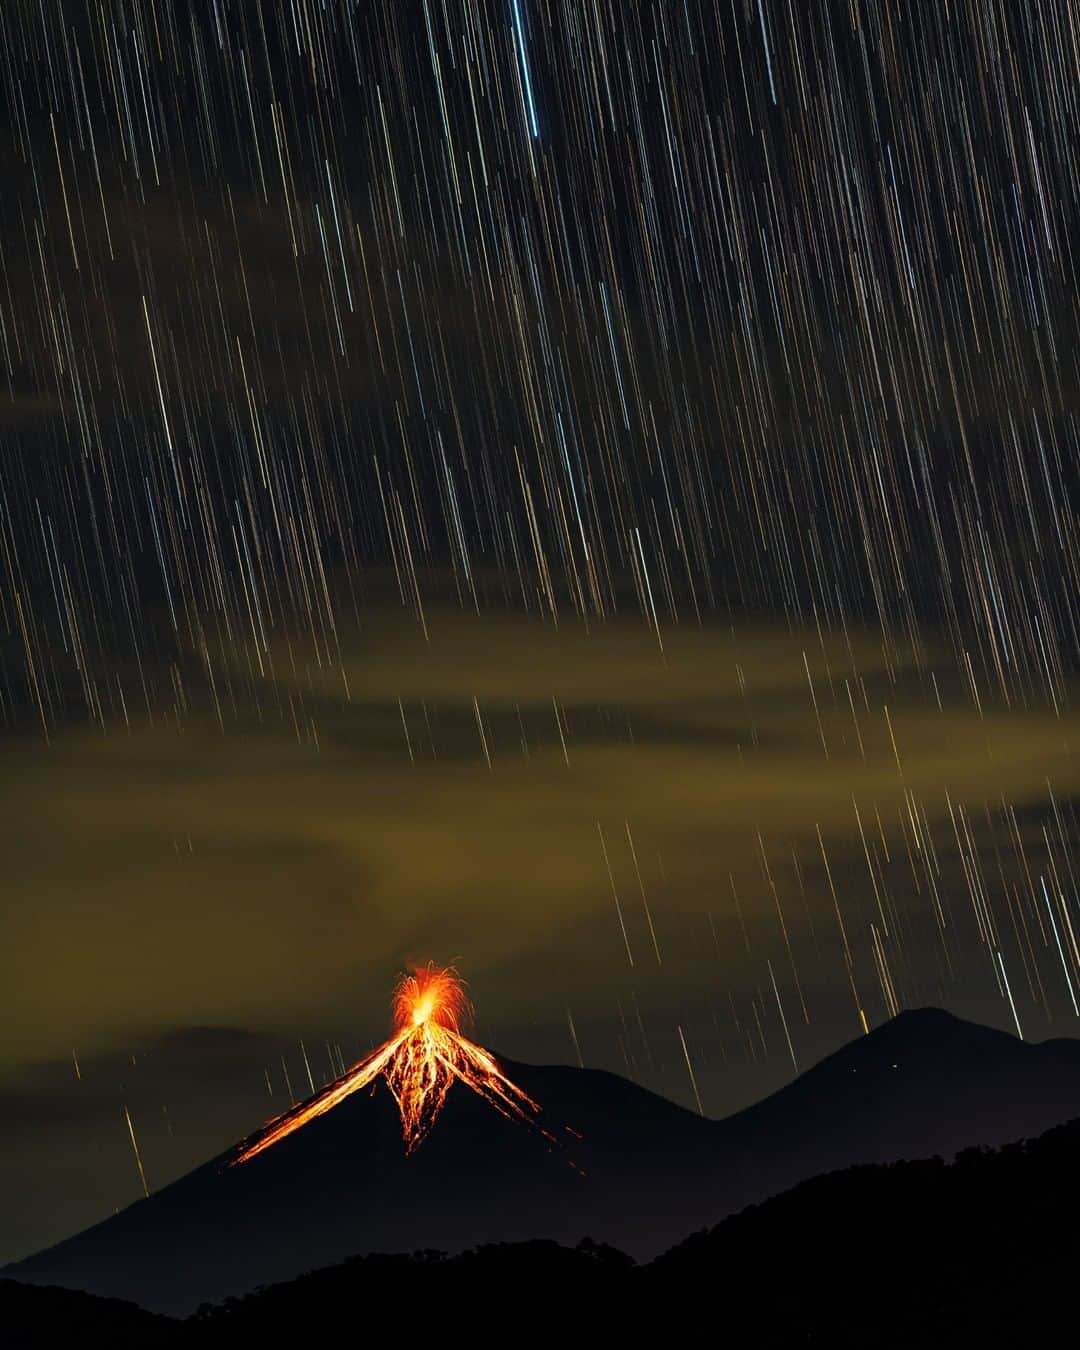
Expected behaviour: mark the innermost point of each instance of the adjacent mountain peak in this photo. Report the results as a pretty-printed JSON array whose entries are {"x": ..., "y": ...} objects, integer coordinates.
[
  {"x": 929, "y": 1031},
  {"x": 919, "y": 1023},
  {"x": 927, "y": 1017}
]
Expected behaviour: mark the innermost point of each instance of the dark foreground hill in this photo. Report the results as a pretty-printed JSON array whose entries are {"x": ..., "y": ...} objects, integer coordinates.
[
  {"x": 32, "y": 1316},
  {"x": 634, "y": 1171},
  {"x": 910, "y": 1256},
  {"x": 980, "y": 1252}
]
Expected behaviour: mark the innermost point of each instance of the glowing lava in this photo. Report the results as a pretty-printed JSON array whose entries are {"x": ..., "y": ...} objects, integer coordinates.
[{"x": 419, "y": 1063}]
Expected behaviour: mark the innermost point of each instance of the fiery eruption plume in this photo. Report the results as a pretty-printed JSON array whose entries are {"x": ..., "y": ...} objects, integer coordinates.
[{"x": 419, "y": 1064}]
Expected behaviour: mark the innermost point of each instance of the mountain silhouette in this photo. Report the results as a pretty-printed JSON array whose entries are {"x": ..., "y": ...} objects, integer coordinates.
[
  {"x": 48, "y": 1316},
  {"x": 911, "y": 1255},
  {"x": 905, "y": 1256},
  {"x": 631, "y": 1170}
]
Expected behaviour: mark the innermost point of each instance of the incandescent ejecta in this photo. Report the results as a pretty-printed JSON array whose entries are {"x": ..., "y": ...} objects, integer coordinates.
[{"x": 419, "y": 1063}]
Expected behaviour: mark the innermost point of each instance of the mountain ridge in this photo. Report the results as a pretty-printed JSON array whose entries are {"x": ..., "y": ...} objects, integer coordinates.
[
  {"x": 923, "y": 1255},
  {"x": 635, "y": 1170}
]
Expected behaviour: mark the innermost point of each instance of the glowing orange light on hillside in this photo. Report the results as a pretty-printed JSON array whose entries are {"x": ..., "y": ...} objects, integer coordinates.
[
  {"x": 418, "y": 1063},
  {"x": 431, "y": 995}
]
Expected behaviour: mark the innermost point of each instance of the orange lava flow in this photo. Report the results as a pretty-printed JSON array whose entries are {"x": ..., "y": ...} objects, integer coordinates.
[{"x": 418, "y": 1063}]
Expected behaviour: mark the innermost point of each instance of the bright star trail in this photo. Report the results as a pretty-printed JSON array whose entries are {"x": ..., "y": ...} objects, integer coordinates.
[
  {"x": 526, "y": 77},
  {"x": 584, "y": 490}
]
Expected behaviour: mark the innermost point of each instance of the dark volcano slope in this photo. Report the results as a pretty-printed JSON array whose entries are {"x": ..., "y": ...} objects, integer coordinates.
[
  {"x": 632, "y": 1169},
  {"x": 343, "y": 1185}
]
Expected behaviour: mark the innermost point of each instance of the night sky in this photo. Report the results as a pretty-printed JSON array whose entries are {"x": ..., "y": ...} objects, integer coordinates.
[{"x": 587, "y": 491}]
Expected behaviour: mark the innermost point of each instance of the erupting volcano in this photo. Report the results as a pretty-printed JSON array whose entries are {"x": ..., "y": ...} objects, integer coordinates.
[{"x": 419, "y": 1063}]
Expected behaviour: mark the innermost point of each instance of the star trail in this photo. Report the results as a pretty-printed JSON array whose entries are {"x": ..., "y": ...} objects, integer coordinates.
[
  {"x": 429, "y": 425},
  {"x": 777, "y": 312}
]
